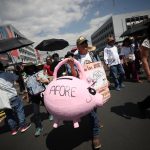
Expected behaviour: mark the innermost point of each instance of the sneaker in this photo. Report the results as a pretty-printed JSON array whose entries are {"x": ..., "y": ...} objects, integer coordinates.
[
  {"x": 122, "y": 86},
  {"x": 101, "y": 126},
  {"x": 117, "y": 89},
  {"x": 96, "y": 142},
  {"x": 25, "y": 127},
  {"x": 38, "y": 131},
  {"x": 14, "y": 132},
  {"x": 50, "y": 117},
  {"x": 139, "y": 81}
]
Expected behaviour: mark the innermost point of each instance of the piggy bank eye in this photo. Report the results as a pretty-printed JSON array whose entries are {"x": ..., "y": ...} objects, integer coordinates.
[{"x": 92, "y": 91}]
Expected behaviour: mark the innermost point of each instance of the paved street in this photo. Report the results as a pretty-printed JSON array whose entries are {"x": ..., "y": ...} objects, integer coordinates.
[{"x": 124, "y": 127}]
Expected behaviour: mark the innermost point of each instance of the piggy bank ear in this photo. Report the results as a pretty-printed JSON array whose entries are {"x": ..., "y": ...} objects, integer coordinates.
[{"x": 91, "y": 81}]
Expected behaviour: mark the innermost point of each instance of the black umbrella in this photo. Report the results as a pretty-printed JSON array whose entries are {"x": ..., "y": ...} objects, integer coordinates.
[
  {"x": 13, "y": 43},
  {"x": 134, "y": 29},
  {"x": 52, "y": 45}
]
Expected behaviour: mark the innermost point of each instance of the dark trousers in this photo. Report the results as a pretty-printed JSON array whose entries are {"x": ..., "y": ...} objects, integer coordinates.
[
  {"x": 21, "y": 84},
  {"x": 145, "y": 104},
  {"x": 36, "y": 99},
  {"x": 130, "y": 70}
]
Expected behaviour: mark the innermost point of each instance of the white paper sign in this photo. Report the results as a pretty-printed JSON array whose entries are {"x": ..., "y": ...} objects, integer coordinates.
[{"x": 96, "y": 73}]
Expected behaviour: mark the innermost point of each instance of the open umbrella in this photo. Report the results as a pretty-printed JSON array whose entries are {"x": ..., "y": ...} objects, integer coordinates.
[
  {"x": 13, "y": 43},
  {"x": 52, "y": 45},
  {"x": 134, "y": 29}
]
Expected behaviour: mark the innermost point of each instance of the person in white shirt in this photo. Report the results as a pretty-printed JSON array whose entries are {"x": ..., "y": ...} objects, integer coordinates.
[
  {"x": 7, "y": 84},
  {"x": 145, "y": 54},
  {"x": 112, "y": 60},
  {"x": 84, "y": 56},
  {"x": 127, "y": 52}
]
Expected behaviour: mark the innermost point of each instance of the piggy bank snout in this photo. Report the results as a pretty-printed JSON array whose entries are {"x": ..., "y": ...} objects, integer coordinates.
[{"x": 99, "y": 99}]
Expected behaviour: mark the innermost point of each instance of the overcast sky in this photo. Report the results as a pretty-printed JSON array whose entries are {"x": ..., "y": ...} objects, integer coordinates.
[{"x": 67, "y": 19}]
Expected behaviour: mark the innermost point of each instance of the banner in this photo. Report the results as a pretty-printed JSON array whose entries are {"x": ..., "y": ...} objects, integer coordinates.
[{"x": 95, "y": 72}]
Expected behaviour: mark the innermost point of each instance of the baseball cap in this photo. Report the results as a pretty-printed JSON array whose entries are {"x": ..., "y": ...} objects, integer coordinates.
[{"x": 81, "y": 39}]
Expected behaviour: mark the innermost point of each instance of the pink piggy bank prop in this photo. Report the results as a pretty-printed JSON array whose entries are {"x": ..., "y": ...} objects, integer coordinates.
[{"x": 70, "y": 98}]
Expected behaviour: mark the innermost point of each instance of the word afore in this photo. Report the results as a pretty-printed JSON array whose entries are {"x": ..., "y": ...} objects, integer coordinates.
[{"x": 62, "y": 90}]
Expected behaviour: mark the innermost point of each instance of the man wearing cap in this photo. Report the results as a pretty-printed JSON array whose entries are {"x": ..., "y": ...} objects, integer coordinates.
[
  {"x": 85, "y": 56},
  {"x": 112, "y": 60}
]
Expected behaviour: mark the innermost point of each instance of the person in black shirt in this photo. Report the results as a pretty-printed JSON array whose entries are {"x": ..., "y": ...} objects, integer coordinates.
[{"x": 55, "y": 62}]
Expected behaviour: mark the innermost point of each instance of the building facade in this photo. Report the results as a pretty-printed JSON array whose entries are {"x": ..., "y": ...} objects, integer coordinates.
[
  {"x": 25, "y": 54},
  {"x": 116, "y": 25}
]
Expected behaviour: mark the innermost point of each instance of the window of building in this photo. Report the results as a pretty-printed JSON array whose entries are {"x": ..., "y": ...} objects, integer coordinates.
[{"x": 135, "y": 20}]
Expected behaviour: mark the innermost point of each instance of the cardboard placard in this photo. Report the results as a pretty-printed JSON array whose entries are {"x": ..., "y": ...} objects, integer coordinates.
[{"x": 96, "y": 73}]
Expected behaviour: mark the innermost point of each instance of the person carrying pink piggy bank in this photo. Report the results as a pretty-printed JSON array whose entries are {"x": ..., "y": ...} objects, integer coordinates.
[
  {"x": 86, "y": 54},
  {"x": 70, "y": 98}
]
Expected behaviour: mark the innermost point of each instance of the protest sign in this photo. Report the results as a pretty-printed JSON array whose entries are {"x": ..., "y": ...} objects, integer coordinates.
[{"x": 95, "y": 72}]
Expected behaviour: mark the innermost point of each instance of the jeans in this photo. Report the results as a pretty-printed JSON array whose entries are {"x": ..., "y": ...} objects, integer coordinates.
[
  {"x": 95, "y": 123},
  {"x": 117, "y": 72},
  {"x": 16, "y": 114}
]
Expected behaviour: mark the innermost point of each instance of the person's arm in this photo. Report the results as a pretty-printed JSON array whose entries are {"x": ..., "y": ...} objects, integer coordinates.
[
  {"x": 105, "y": 56},
  {"x": 124, "y": 60},
  {"x": 144, "y": 57},
  {"x": 44, "y": 70},
  {"x": 72, "y": 67},
  {"x": 122, "y": 54},
  {"x": 42, "y": 78}
]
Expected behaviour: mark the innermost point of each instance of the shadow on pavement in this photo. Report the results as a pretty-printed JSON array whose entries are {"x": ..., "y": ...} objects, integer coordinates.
[
  {"x": 66, "y": 137},
  {"x": 129, "y": 110}
]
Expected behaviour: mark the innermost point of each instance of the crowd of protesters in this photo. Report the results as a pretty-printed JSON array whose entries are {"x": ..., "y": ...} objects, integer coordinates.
[{"x": 125, "y": 65}]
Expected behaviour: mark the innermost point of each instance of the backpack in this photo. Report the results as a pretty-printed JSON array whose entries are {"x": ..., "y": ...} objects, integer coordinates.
[{"x": 33, "y": 86}]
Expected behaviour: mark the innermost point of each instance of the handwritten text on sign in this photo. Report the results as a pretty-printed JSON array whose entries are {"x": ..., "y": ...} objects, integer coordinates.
[
  {"x": 63, "y": 90},
  {"x": 96, "y": 73}
]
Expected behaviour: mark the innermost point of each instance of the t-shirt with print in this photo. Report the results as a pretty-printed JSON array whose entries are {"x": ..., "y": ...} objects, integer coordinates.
[
  {"x": 85, "y": 59},
  {"x": 126, "y": 51}
]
